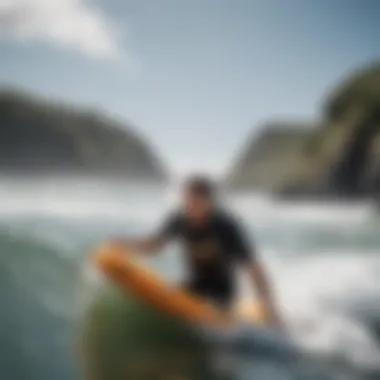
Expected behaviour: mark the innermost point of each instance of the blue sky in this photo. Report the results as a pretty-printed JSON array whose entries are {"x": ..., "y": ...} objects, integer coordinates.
[{"x": 197, "y": 77}]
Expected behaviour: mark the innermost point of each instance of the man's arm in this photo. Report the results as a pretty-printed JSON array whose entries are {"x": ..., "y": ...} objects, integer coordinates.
[
  {"x": 145, "y": 245},
  {"x": 155, "y": 242},
  {"x": 247, "y": 256},
  {"x": 262, "y": 285}
]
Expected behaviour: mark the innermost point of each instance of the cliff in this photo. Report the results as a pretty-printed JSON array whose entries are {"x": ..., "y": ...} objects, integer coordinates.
[
  {"x": 346, "y": 162},
  {"x": 339, "y": 158},
  {"x": 39, "y": 136},
  {"x": 268, "y": 158}
]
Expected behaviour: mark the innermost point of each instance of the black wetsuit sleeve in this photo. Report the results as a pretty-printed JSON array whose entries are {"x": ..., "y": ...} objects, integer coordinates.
[
  {"x": 170, "y": 227},
  {"x": 242, "y": 248}
]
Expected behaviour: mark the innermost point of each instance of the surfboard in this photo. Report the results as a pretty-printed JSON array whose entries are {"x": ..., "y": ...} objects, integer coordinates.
[{"x": 122, "y": 268}]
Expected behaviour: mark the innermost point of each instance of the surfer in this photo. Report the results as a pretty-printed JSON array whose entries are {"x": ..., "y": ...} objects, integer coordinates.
[{"x": 215, "y": 245}]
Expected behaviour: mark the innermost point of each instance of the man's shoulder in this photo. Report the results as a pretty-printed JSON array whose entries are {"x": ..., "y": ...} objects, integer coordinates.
[
  {"x": 174, "y": 214},
  {"x": 176, "y": 217},
  {"x": 171, "y": 224},
  {"x": 227, "y": 219}
]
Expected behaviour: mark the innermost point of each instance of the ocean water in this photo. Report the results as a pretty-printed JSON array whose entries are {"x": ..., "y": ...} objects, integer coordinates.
[{"x": 323, "y": 259}]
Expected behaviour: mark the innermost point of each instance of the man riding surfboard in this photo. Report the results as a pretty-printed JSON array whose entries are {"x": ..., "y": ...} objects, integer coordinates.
[{"x": 214, "y": 244}]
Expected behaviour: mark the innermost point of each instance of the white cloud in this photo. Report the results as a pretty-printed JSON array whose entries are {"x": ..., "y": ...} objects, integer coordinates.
[{"x": 73, "y": 24}]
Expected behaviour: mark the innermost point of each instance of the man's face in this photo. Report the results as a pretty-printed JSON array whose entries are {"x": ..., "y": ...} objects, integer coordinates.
[{"x": 196, "y": 206}]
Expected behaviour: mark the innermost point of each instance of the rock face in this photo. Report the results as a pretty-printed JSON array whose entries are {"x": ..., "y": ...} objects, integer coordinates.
[
  {"x": 42, "y": 137},
  {"x": 268, "y": 159},
  {"x": 339, "y": 158}
]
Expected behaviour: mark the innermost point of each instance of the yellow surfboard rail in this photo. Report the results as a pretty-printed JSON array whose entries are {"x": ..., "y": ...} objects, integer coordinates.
[{"x": 121, "y": 267}]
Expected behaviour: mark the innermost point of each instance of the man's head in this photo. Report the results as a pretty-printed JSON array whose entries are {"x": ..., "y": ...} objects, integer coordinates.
[{"x": 198, "y": 197}]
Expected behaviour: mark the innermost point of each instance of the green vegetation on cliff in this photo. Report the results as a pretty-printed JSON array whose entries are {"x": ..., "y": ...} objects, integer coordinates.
[
  {"x": 360, "y": 90},
  {"x": 45, "y": 137}
]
